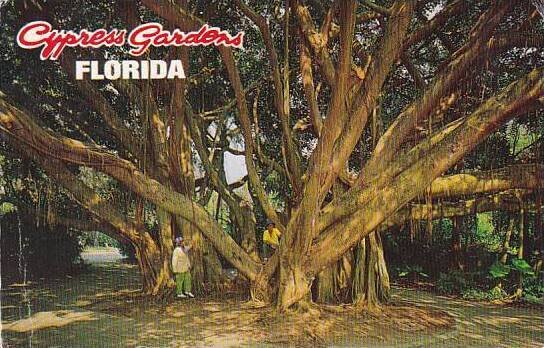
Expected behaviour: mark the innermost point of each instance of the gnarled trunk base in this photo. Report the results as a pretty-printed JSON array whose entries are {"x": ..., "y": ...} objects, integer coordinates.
[{"x": 360, "y": 277}]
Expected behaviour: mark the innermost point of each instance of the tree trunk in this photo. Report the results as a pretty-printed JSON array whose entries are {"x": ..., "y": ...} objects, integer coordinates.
[
  {"x": 294, "y": 284},
  {"x": 212, "y": 269},
  {"x": 360, "y": 277},
  {"x": 507, "y": 237},
  {"x": 539, "y": 234},
  {"x": 146, "y": 261},
  {"x": 164, "y": 280},
  {"x": 150, "y": 264},
  {"x": 334, "y": 283},
  {"x": 326, "y": 289},
  {"x": 522, "y": 224},
  {"x": 371, "y": 280},
  {"x": 247, "y": 231},
  {"x": 206, "y": 268},
  {"x": 456, "y": 251},
  {"x": 506, "y": 246}
]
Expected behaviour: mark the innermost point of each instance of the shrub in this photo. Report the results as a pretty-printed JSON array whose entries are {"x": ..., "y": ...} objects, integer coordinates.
[
  {"x": 452, "y": 283},
  {"x": 411, "y": 272},
  {"x": 533, "y": 290},
  {"x": 496, "y": 293}
]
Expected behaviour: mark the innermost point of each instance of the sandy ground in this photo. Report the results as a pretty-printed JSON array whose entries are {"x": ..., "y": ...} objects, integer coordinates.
[{"x": 102, "y": 308}]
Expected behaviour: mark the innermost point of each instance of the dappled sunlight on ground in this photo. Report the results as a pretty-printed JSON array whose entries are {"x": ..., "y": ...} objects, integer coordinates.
[
  {"x": 484, "y": 324},
  {"x": 42, "y": 320},
  {"x": 103, "y": 307}
]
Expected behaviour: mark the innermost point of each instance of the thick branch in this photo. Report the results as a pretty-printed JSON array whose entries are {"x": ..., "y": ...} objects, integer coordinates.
[
  {"x": 523, "y": 176},
  {"x": 104, "y": 109},
  {"x": 505, "y": 201},
  {"x": 366, "y": 99},
  {"x": 329, "y": 157},
  {"x": 85, "y": 223},
  {"x": 84, "y": 195},
  {"x": 373, "y": 207},
  {"x": 245, "y": 122},
  {"x": 380, "y": 9},
  {"x": 217, "y": 181},
  {"x": 16, "y": 123},
  {"x": 464, "y": 59},
  {"x": 309, "y": 89},
  {"x": 316, "y": 41},
  {"x": 178, "y": 16}
]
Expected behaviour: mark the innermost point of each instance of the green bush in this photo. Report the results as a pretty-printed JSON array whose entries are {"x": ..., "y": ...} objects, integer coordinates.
[
  {"x": 533, "y": 299},
  {"x": 411, "y": 272},
  {"x": 499, "y": 270},
  {"x": 496, "y": 293},
  {"x": 533, "y": 288},
  {"x": 522, "y": 267},
  {"x": 452, "y": 283}
]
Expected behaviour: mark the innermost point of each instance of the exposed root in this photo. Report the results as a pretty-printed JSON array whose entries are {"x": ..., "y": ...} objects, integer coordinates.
[
  {"x": 307, "y": 308},
  {"x": 253, "y": 304}
]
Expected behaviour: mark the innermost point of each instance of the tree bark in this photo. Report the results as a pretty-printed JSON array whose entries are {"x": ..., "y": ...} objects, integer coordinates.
[
  {"x": 539, "y": 234},
  {"x": 506, "y": 244},
  {"x": 315, "y": 237},
  {"x": 359, "y": 277},
  {"x": 456, "y": 250},
  {"x": 152, "y": 260},
  {"x": 522, "y": 226},
  {"x": 371, "y": 280}
]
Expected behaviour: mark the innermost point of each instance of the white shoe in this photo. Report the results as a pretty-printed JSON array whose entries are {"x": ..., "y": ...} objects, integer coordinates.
[
  {"x": 190, "y": 294},
  {"x": 181, "y": 296}
]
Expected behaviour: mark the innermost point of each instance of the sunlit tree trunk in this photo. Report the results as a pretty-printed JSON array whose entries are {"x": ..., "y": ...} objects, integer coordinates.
[
  {"x": 149, "y": 264},
  {"x": 359, "y": 277},
  {"x": 506, "y": 245},
  {"x": 163, "y": 281},
  {"x": 507, "y": 237},
  {"x": 371, "y": 280}
]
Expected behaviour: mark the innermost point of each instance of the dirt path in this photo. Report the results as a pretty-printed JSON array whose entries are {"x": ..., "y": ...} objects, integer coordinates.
[
  {"x": 479, "y": 324},
  {"x": 110, "y": 313}
]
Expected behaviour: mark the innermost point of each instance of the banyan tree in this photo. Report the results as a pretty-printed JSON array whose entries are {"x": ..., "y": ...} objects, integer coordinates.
[{"x": 351, "y": 116}]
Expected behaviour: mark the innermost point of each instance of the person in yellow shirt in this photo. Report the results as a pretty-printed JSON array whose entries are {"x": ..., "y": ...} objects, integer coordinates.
[{"x": 271, "y": 239}]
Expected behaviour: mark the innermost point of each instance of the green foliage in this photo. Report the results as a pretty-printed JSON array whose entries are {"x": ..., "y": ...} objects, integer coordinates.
[
  {"x": 452, "y": 283},
  {"x": 522, "y": 267},
  {"x": 97, "y": 239},
  {"x": 485, "y": 233},
  {"x": 6, "y": 208},
  {"x": 532, "y": 299},
  {"x": 533, "y": 290},
  {"x": 485, "y": 224},
  {"x": 413, "y": 272},
  {"x": 498, "y": 270},
  {"x": 495, "y": 293},
  {"x": 482, "y": 241}
]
